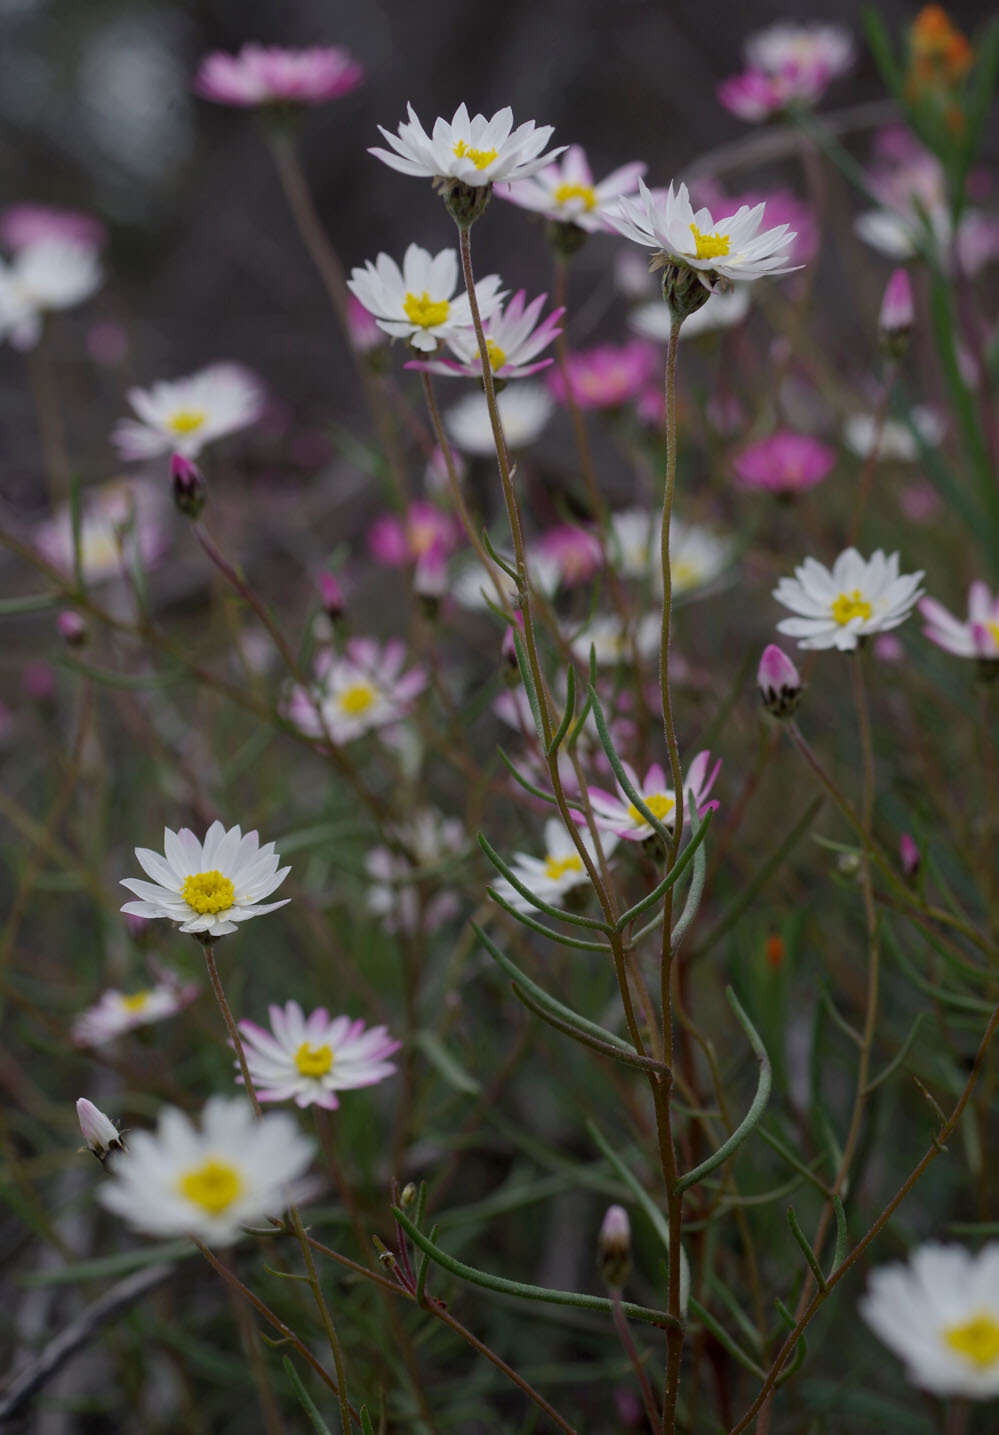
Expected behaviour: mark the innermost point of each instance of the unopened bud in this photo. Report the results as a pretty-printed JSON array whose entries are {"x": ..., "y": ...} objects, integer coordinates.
[
  {"x": 99, "y": 1131},
  {"x": 332, "y": 595},
  {"x": 565, "y": 238},
  {"x": 407, "y": 1195},
  {"x": 909, "y": 855},
  {"x": 779, "y": 682},
  {"x": 72, "y": 628},
  {"x": 430, "y": 578},
  {"x": 897, "y": 314},
  {"x": 189, "y": 492},
  {"x": 614, "y": 1247}
]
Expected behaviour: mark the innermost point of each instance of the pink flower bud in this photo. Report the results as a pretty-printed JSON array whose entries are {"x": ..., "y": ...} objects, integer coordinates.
[
  {"x": 72, "y": 628},
  {"x": 332, "y": 595},
  {"x": 509, "y": 645},
  {"x": 896, "y": 306},
  {"x": 614, "y": 1247},
  {"x": 909, "y": 855},
  {"x": 188, "y": 486},
  {"x": 99, "y": 1131},
  {"x": 430, "y": 575},
  {"x": 779, "y": 682}
]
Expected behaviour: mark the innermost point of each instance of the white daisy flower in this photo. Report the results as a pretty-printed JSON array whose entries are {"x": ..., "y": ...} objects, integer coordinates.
[
  {"x": 857, "y": 597},
  {"x": 363, "y": 690},
  {"x": 940, "y": 1314},
  {"x": 615, "y": 811},
  {"x": 45, "y": 275},
  {"x": 309, "y": 1059},
  {"x": 183, "y": 415},
  {"x": 556, "y": 874},
  {"x": 524, "y": 410},
  {"x": 119, "y": 522},
  {"x": 474, "y": 151},
  {"x": 897, "y": 440},
  {"x": 565, "y": 191},
  {"x": 417, "y": 301},
  {"x": 722, "y": 311},
  {"x": 209, "y": 1181},
  {"x": 428, "y": 840},
  {"x": 612, "y": 639},
  {"x": 733, "y": 247},
  {"x": 901, "y": 233},
  {"x": 207, "y": 888},
  {"x": 118, "y": 1012},
  {"x": 698, "y": 556},
  {"x": 786, "y": 46},
  {"x": 514, "y": 339}
]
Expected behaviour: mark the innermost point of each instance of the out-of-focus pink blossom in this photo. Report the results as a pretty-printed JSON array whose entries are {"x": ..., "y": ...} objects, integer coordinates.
[
  {"x": 107, "y": 343},
  {"x": 365, "y": 334},
  {"x": 977, "y": 636},
  {"x": 24, "y": 224},
  {"x": 607, "y": 376},
  {"x": 331, "y": 593},
  {"x": 786, "y": 63},
  {"x": 395, "y": 541},
  {"x": 888, "y": 649},
  {"x": 909, "y": 855},
  {"x": 430, "y": 574},
  {"x": 38, "y": 681},
  {"x": 897, "y": 315},
  {"x": 783, "y": 207},
  {"x": 575, "y": 551},
  {"x": 269, "y": 74},
  {"x": 784, "y": 463},
  {"x": 919, "y": 501},
  {"x": 72, "y": 628}
]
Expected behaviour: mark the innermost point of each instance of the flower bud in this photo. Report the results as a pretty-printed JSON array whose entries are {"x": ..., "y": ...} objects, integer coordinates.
[
  {"x": 332, "y": 595},
  {"x": 188, "y": 486},
  {"x": 909, "y": 855},
  {"x": 407, "y": 1195},
  {"x": 565, "y": 238},
  {"x": 99, "y": 1131},
  {"x": 465, "y": 202},
  {"x": 779, "y": 682},
  {"x": 72, "y": 628},
  {"x": 897, "y": 316},
  {"x": 614, "y": 1247},
  {"x": 430, "y": 578},
  {"x": 686, "y": 290}
]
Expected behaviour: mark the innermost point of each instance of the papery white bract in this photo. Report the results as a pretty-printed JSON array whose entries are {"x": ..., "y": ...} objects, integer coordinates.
[
  {"x": 474, "y": 150},
  {"x": 211, "y": 1180},
  {"x": 940, "y": 1314},
  {"x": 618, "y": 814},
  {"x": 734, "y": 247},
  {"x": 43, "y": 276},
  {"x": 566, "y": 192},
  {"x": 524, "y": 411},
  {"x": 858, "y": 596},
  {"x": 118, "y": 1012},
  {"x": 417, "y": 301},
  {"x": 514, "y": 339},
  {"x": 977, "y": 637},
  {"x": 183, "y": 415},
  {"x": 207, "y": 888},
  {"x": 308, "y": 1059},
  {"x": 354, "y": 694},
  {"x": 556, "y": 874}
]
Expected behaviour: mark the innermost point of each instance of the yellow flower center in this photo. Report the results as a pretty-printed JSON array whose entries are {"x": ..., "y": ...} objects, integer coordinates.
[
  {"x": 710, "y": 246},
  {"x": 136, "y": 1001},
  {"x": 993, "y": 631},
  {"x": 208, "y": 892},
  {"x": 850, "y": 605},
  {"x": 186, "y": 420},
  {"x": 976, "y": 1339},
  {"x": 556, "y": 867},
  {"x": 313, "y": 1060},
  {"x": 685, "y": 574},
  {"x": 497, "y": 356},
  {"x": 660, "y": 804},
  {"x": 357, "y": 698},
  {"x": 424, "y": 311},
  {"x": 479, "y": 157},
  {"x": 585, "y": 192},
  {"x": 213, "y": 1185}
]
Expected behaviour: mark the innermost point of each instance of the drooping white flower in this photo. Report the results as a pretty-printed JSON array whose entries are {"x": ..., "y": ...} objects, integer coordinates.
[
  {"x": 940, "y": 1314},
  {"x": 858, "y": 596},
  {"x": 118, "y": 1012},
  {"x": 364, "y": 689},
  {"x": 722, "y": 311},
  {"x": 183, "y": 415},
  {"x": 897, "y": 441},
  {"x": 565, "y": 191},
  {"x": 524, "y": 410},
  {"x": 514, "y": 339},
  {"x": 46, "y": 275},
  {"x": 474, "y": 150},
  {"x": 211, "y": 1180},
  {"x": 615, "y": 811},
  {"x": 557, "y": 873},
  {"x": 207, "y": 887},
  {"x": 308, "y": 1059},
  {"x": 417, "y": 302},
  {"x": 734, "y": 247}
]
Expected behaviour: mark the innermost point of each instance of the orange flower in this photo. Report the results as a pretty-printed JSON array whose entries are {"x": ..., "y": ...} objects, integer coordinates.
[
  {"x": 775, "y": 950},
  {"x": 941, "y": 54}
]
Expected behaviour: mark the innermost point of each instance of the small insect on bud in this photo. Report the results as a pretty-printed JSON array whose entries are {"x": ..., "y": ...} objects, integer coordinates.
[
  {"x": 189, "y": 491},
  {"x": 897, "y": 314},
  {"x": 909, "y": 855},
  {"x": 99, "y": 1131},
  {"x": 779, "y": 682},
  {"x": 332, "y": 595},
  {"x": 614, "y": 1247},
  {"x": 72, "y": 628}
]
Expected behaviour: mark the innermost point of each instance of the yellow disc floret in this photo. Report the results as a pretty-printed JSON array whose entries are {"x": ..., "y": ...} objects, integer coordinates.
[
  {"x": 213, "y": 1185},
  {"x": 208, "y": 892},
  {"x": 660, "y": 804},
  {"x": 710, "y": 246},
  {"x": 479, "y": 157},
  {"x": 976, "y": 1339},
  {"x": 183, "y": 421},
  {"x": 424, "y": 311},
  {"x": 565, "y": 192},
  {"x": 313, "y": 1060},
  {"x": 356, "y": 699},
  {"x": 497, "y": 356},
  {"x": 136, "y": 1001},
  {"x": 851, "y": 605},
  {"x": 556, "y": 867}
]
